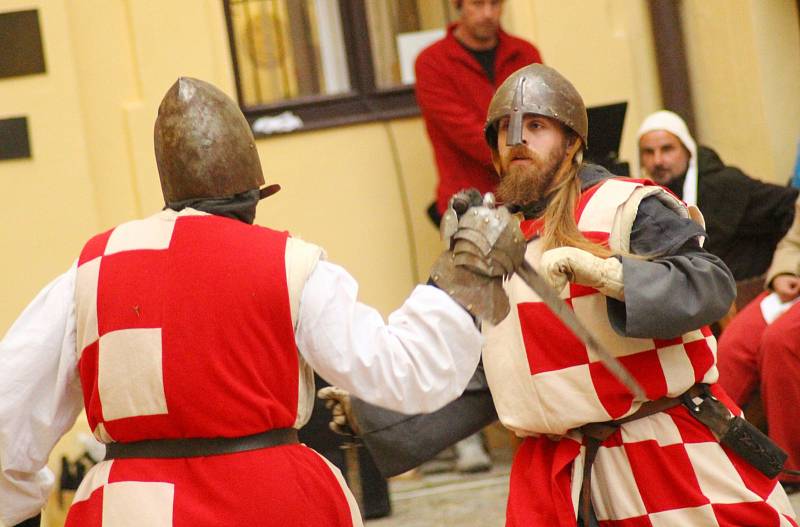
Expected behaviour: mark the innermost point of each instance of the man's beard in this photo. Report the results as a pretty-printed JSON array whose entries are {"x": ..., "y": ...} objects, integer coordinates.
[{"x": 523, "y": 184}]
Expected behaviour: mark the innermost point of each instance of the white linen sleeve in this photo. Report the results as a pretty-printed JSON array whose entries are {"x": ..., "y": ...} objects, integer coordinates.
[
  {"x": 419, "y": 361},
  {"x": 40, "y": 396}
]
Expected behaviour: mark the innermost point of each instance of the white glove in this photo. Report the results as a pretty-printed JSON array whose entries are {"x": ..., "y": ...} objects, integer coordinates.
[
  {"x": 338, "y": 402},
  {"x": 568, "y": 264}
]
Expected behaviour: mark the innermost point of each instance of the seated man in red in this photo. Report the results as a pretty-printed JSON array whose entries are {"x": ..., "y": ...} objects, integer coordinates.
[{"x": 760, "y": 350}]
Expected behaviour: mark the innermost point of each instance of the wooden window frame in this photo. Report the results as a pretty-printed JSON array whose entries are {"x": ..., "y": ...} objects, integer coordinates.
[{"x": 364, "y": 102}]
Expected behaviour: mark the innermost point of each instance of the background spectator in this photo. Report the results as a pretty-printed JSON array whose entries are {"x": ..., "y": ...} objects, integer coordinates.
[{"x": 745, "y": 218}]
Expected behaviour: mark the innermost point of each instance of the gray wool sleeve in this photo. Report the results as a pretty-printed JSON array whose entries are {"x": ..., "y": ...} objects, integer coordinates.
[
  {"x": 400, "y": 442},
  {"x": 679, "y": 287}
]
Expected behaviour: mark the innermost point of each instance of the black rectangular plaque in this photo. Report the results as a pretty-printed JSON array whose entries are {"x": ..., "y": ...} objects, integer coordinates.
[
  {"x": 21, "y": 51},
  {"x": 14, "y": 142}
]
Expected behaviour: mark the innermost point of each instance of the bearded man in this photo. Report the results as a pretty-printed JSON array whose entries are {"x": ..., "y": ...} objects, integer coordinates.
[
  {"x": 745, "y": 218},
  {"x": 190, "y": 337},
  {"x": 626, "y": 256}
]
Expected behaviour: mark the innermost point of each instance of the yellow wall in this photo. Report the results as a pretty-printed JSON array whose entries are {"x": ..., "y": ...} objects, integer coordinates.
[
  {"x": 109, "y": 62},
  {"x": 340, "y": 190},
  {"x": 745, "y": 79},
  {"x": 359, "y": 191},
  {"x": 604, "y": 47},
  {"x": 48, "y": 206}
]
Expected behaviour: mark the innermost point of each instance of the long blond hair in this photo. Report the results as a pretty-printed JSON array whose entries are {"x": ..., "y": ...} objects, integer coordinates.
[{"x": 560, "y": 229}]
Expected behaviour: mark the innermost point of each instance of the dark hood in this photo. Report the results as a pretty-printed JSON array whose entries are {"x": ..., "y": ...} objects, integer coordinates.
[{"x": 708, "y": 160}]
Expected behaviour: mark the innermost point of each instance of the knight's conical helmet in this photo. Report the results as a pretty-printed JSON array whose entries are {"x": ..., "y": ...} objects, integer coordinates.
[
  {"x": 535, "y": 89},
  {"x": 204, "y": 146}
]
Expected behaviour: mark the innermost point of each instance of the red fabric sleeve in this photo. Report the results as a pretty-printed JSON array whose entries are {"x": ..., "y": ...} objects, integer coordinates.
[{"x": 437, "y": 96}]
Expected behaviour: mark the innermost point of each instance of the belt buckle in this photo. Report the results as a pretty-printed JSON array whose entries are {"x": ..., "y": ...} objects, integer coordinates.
[
  {"x": 688, "y": 399},
  {"x": 710, "y": 411}
]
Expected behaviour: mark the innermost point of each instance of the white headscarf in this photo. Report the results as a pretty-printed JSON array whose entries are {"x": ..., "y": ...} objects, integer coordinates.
[{"x": 672, "y": 123}]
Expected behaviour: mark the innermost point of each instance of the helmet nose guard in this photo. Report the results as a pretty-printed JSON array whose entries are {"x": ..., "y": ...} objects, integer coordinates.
[
  {"x": 514, "y": 134},
  {"x": 535, "y": 89}
]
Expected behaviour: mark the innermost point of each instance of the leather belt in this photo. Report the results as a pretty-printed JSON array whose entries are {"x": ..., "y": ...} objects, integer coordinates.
[
  {"x": 200, "y": 446},
  {"x": 596, "y": 433}
]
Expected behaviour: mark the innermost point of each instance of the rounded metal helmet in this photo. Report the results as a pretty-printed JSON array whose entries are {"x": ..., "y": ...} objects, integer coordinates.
[
  {"x": 204, "y": 145},
  {"x": 536, "y": 89}
]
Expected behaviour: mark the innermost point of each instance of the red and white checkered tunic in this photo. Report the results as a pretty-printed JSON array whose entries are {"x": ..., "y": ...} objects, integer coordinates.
[
  {"x": 185, "y": 329},
  {"x": 663, "y": 470}
]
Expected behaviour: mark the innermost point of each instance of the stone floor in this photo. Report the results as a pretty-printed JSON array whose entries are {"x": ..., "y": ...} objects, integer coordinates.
[{"x": 451, "y": 499}]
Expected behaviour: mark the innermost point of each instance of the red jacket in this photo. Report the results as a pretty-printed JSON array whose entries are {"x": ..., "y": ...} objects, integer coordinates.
[{"x": 454, "y": 94}]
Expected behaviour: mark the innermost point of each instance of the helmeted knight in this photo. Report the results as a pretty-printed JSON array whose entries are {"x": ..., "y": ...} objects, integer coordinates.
[{"x": 183, "y": 336}]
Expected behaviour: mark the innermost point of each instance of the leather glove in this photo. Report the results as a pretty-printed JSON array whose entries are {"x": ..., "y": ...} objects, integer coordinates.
[
  {"x": 343, "y": 421},
  {"x": 568, "y": 264}
]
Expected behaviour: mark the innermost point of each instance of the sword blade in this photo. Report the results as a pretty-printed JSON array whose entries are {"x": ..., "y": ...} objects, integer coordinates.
[{"x": 561, "y": 310}]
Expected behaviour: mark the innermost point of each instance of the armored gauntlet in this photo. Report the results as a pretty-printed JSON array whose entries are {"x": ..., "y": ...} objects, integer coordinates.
[{"x": 485, "y": 246}]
